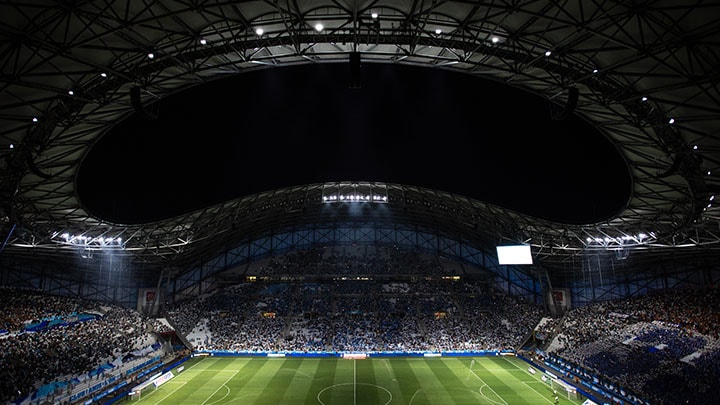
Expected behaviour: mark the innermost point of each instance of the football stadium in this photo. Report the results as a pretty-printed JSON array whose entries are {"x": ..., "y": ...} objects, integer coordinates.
[{"x": 359, "y": 202}]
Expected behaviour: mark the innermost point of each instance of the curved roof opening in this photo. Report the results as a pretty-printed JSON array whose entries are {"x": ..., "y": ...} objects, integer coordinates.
[{"x": 280, "y": 127}]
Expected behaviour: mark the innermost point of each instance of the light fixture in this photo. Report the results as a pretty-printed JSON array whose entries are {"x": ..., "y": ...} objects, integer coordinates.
[
  {"x": 374, "y": 15},
  {"x": 151, "y": 55},
  {"x": 259, "y": 31},
  {"x": 35, "y": 119},
  {"x": 548, "y": 53},
  {"x": 103, "y": 74},
  {"x": 70, "y": 92},
  {"x": 495, "y": 40},
  {"x": 354, "y": 198},
  {"x": 438, "y": 31},
  {"x": 319, "y": 27},
  {"x": 203, "y": 41},
  {"x": 643, "y": 99},
  {"x": 671, "y": 121}
]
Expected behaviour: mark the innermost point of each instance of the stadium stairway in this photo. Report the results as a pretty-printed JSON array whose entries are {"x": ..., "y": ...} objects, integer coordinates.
[{"x": 180, "y": 335}]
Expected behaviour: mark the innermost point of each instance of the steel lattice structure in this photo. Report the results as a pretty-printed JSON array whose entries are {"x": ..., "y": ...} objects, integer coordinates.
[{"x": 647, "y": 75}]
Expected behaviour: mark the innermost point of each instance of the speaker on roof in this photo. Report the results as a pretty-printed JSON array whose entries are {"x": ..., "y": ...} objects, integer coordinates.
[
  {"x": 570, "y": 105},
  {"x": 138, "y": 106}
]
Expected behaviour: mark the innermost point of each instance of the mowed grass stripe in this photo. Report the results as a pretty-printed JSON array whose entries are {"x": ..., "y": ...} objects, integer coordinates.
[
  {"x": 437, "y": 387},
  {"x": 323, "y": 378},
  {"x": 385, "y": 377},
  {"x": 368, "y": 389},
  {"x": 511, "y": 365},
  {"x": 202, "y": 380},
  {"x": 535, "y": 383},
  {"x": 343, "y": 388},
  {"x": 301, "y": 380},
  {"x": 255, "y": 380},
  {"x": 292, "y": 382},
  {"x": 299, "y": 387},
  {"x": 198, "y": 390},
  {"x": 279, "y": 382},
  {"x": 506, "y": 384},
  {"x": 407, "y": 382},
  {"x": 453, "y": 372},
  {"x": 519, "y": 368}
]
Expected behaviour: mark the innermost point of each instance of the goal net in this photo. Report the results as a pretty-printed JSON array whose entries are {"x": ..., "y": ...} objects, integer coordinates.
[
  {"x": 136, "y": 393},
  {"x": 559, "y": 386}
]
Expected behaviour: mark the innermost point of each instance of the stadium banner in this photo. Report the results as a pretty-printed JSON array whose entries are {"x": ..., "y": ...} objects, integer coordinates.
[
  {"x": 136, "y": 390},
  {"x": 311, "y": 354},
  {"x": 150, "y": 300},
  {"x": 559, "y": 298},
  {"x": 163, "y": 379},
  {"x": 394, "y": 353}
]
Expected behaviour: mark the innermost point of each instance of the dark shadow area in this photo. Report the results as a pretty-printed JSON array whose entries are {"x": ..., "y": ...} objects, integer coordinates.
[{"x": 280, "y": 127}]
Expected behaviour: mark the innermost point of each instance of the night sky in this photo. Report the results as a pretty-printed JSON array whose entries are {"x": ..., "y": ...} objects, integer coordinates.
[{"x": 285, "y": 126}]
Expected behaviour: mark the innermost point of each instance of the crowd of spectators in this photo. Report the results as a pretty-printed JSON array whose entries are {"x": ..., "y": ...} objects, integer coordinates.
[
  {"x": 46, "y": 338},
  {"x": 354, "y": 315},
  {"x": 346, "y": 313},
  {"x": 663, "y": 345}
]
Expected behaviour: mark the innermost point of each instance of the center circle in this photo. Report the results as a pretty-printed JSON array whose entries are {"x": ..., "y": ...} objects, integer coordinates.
[{"x": 344, "y": 392}]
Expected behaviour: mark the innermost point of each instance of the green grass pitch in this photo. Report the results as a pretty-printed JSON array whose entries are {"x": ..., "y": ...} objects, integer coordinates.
[{"x": 501, "y": 380}]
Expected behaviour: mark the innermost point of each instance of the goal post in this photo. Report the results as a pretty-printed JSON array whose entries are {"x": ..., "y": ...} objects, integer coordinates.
[
  {"x": 150, "y": 385},
  {"x": 136, "y": 393},
  {"x": 561, "y": 386}
]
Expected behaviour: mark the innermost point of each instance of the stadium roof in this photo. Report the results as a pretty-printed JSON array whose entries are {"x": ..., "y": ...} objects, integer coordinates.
[{"x": 644, "y": 73}]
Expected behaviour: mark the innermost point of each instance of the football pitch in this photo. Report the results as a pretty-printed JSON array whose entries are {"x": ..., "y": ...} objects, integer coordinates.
[{"x": 500, "y": 380}]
